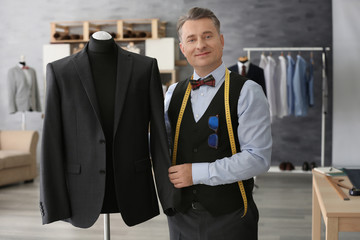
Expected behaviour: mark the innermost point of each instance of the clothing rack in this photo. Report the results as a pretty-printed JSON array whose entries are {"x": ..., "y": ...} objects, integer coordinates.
[{"x": 324, "y": 82}]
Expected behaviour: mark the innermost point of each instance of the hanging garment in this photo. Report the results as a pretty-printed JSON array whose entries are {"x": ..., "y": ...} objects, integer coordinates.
[
  {"x": 269, "y": 73},
  {"x": 310, "y": 83},
  {"x": 280, "y": 85},
  {"x": 290, "y": 82},
  {"x": 263, "y": 61},
  {"x": 300, "y": 96},
  {"x": 73, "y": 161},
  {"x": 23, "y": 90}
]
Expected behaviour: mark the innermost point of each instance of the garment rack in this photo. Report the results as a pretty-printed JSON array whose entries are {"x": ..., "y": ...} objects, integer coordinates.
[{"x": 324, "y": 82}]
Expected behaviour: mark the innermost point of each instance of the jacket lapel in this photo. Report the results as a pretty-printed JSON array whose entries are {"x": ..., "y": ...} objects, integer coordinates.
[
  {"x": 83, "y": 68},
  {"x": 124, "y": 67}
]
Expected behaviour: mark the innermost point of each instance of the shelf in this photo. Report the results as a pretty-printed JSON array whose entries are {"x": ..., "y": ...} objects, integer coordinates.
[{"x": 123, "y": 30}]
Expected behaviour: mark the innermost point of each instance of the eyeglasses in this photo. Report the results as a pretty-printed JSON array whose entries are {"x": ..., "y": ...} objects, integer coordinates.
[{"x": 213, "y": 139}]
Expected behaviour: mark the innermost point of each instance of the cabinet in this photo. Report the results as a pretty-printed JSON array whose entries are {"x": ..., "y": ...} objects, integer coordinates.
[
  {"x": 76, "y": 33},
  {"x": 122, "y": 30}
]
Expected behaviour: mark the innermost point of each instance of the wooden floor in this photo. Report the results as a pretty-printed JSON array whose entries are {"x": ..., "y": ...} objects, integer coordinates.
[{"x": 284, "y": 202}]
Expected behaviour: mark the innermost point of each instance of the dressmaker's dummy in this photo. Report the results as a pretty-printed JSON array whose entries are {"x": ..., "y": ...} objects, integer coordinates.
[
  {"x": 253, "y": 72},
  {"x": 23, "y": 91},
  {"x": 95, "y": 154}
]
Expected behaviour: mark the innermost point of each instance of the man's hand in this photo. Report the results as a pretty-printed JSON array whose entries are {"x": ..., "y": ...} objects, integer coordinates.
[{"x": 181, "y": 175}]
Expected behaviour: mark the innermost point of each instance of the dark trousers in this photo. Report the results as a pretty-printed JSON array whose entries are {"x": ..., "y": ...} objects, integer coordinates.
[{"x": 201, "y": 225}]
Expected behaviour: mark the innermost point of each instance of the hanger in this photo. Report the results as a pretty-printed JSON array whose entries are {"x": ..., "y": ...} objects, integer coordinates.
[{"x": 243, "y": 59}]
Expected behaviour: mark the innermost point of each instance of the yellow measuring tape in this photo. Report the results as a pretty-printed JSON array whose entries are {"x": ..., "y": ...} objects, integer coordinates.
[{"x": 229, "y": 126}]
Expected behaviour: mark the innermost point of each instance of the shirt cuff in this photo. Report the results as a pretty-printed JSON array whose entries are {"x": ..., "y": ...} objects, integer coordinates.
[{"x": 200, "y": 173}]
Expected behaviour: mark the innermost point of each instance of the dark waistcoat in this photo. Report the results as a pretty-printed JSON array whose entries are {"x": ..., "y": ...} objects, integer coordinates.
[{"x": 193, "y": 148}]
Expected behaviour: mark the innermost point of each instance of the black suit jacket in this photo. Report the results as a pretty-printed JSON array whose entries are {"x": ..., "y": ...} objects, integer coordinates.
[
  {"x": 73, "y": 156},
  {"x": 254, "y": 73}
]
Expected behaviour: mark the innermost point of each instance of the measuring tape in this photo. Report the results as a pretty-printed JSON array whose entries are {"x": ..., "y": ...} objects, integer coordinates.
[
  {"x": 229, "y": 127},
  {"x": 231, "y": 134}
]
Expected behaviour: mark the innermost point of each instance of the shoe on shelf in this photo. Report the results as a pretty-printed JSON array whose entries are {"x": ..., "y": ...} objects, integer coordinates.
[
  {"x": 282, "y": 166},
  {"x": 313, "y": 165},
  {"x": 305, "y": 166},
  {"x": 289, "y": 166}
]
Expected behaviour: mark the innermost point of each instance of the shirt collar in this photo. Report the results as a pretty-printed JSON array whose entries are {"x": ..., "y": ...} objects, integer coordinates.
[
  {"x": 218, "y": 74},
  {"x": 240, "y": 64}
]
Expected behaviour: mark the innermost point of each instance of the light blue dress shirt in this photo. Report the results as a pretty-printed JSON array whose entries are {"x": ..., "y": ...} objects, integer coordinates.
[
  {"x": 300, "y": 96},
  {"x": 254, "y": 133},
  {"x": 290, "y": 78},
  {"x": 310, "y": 83}
]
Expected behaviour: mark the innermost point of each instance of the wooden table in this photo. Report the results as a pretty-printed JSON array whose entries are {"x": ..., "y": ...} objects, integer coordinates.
[{"x": 339, "y": 215}]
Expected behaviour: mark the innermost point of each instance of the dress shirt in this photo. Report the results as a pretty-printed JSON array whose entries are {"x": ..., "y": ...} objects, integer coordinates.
[
  {"x": 263, "y": 61},
  {"x": 254, "y": 133},
  {"x": 310, "y": 83},
  {"x": 269, "y": 74},
  {"x": 246, "y": 64},
  {"x": 290, "y": 82},
  {"x": 281, "y": 88},
  {"x": 300, "y": 95}
]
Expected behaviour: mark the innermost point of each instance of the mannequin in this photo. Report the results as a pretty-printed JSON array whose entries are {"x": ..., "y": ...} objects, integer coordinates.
[
  {"x": 23, "y": 89},
  {"x": 95, "y": 148},
  {"x": 253, "y": 72},
  {"x": 102, "y": 53}
]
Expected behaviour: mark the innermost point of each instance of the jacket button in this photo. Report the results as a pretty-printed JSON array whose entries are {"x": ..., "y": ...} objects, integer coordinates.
[
  {"x": 195, "y": 150},
  {"x": 102, "y": 141},
  {"x": 102, "y": 171},
  {"x": 194, "y": 191}
]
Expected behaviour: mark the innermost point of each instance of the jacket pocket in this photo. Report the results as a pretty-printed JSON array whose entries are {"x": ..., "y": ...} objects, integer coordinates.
[
  {"x": 73, "y": 168},
  {"x": 142, "y": 165}
]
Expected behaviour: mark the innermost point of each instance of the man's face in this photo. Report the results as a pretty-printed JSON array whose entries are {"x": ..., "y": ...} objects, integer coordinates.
[{"x": 202, "y": 45}]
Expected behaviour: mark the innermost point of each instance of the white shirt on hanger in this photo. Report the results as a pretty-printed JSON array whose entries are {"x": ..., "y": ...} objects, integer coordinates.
[
  {"x": 240, "y": 64},
  {"x": 281, "y": 88},
  {"x": 269, "y": 72}
]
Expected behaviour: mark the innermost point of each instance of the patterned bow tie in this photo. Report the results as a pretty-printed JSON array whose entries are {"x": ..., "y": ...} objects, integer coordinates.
[{"x": 209, "y": 81}]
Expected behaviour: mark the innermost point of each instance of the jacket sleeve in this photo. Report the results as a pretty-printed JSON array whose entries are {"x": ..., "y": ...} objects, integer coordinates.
[
  {"x": 54, "y": 199},
  {"x": 37, "y": 95},
  {"x": 158, "y": 141},
  {"x": 11, "y": 92}
]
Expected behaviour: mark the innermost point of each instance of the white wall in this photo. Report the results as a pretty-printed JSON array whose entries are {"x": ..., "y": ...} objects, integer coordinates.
[{"x": 346, "y": 78}]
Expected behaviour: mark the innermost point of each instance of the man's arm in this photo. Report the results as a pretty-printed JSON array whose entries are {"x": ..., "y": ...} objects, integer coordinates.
[{"x": 254, "y": 133}]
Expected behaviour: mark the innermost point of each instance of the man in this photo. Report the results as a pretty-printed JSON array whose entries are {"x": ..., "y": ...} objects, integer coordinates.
[{"x": 213, "y": 167}]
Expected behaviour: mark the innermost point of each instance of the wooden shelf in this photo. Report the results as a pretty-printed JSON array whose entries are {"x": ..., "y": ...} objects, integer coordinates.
[{"x": 123, "y": 30}]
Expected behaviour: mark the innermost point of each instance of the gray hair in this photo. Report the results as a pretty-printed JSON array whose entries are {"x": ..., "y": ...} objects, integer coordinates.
[{"x": 197, "y": 13}]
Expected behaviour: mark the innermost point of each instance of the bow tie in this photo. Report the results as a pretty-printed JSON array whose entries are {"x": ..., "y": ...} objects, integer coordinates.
[
  {"x": 209, "y": 81},
  {"x": 25, "y": 67}
]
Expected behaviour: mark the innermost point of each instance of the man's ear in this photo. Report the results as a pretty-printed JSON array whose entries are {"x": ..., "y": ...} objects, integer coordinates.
[
  {"x": 182, "y": 49},
  {"x": 222, "y": 40}
]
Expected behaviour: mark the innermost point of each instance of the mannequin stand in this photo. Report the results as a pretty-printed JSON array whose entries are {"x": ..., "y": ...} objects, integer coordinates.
[
  {"x": 23, "y": 121},
  {"x": 106, "y": 226}
]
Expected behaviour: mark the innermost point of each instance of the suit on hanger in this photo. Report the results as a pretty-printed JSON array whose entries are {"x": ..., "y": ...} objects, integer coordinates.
[
  {"x": 23, "y": 94},
  {"x": 73, "y": 160},
  {"x": 254, "y": 73}
]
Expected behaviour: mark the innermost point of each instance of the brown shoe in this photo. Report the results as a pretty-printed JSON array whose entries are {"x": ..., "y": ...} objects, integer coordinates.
[
  {"x": 289, "y": 166},
  {"x": 282, "y": 166}
]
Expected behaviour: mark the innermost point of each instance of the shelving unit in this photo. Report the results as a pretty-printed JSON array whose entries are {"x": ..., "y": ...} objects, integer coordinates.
[
  {"x": 122, "y": 30},
  {"x": 76, "y": 33}
]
